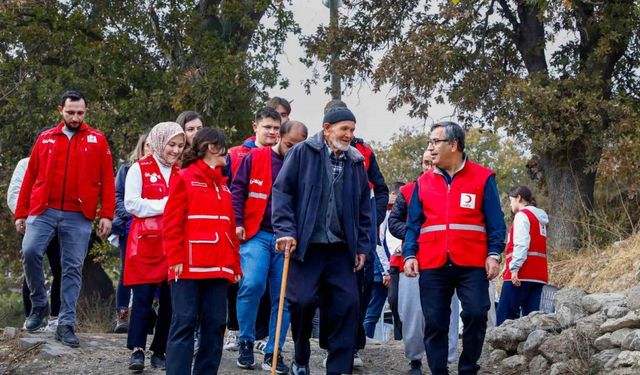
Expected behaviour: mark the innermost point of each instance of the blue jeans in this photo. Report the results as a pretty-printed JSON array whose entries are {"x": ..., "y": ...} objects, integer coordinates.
[
  {"x": 123, "y": 293},
  {"x": 73, "y": 231},
  {"x": 376, "y": 304},
  {"x": 197, "y": 304},
  {"x": 518, "y": 300},
  {"x": 436, "y": 290},
  {"x": 260, "y": 261}
]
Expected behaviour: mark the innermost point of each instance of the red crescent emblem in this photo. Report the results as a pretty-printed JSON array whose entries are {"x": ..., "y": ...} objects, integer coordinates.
[{"x": 467, "y": 198}]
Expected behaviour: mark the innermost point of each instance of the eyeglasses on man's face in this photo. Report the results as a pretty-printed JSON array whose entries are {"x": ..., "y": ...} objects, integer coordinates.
[{"x": 434, "y": 142}]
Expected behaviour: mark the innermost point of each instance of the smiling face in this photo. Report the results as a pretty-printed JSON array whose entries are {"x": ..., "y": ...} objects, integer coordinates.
[
  {"x": 267, "y": 131},
  {"x": 441, "y": 149},
  {"x": 73, "y": 113},
  {"x": 173, "y": 149},
  {"x": 340, "y": 134}
]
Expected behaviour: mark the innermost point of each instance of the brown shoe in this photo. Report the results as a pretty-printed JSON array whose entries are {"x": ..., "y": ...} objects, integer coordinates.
[{"x": 122, "y": 323}]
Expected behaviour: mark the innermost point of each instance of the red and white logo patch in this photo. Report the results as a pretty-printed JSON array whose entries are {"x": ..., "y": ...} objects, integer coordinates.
[{"x": 468, "y": 200}]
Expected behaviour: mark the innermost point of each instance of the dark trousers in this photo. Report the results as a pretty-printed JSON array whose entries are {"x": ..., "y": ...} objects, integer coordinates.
[
  {"x": 53, "y": 255},
  {"x": 232, "y": 302},
  {"x": 264, "y": 314},
  {"x": 365, "y": 288},
  {"x": 197, "y": 303},
  {"x": 518, "y": 300},
  {"x": 141, "y": 317},
  {"x": 392, "y": 297},
  {"x": 325, "y": 279},
  {"x": 123, "y": 293},
  {"x": 436, "y": 289}
]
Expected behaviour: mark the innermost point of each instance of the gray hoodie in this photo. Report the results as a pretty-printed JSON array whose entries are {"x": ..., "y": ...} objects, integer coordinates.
[{"x": 522, "y": 237}]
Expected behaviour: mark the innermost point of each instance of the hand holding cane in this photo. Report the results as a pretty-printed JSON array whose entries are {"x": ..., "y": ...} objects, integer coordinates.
[{"x": 288, "y": 245}]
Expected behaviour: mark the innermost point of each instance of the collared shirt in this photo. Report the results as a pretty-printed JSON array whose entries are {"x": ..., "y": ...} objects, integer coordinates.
[{"x": 337, "y": 162}]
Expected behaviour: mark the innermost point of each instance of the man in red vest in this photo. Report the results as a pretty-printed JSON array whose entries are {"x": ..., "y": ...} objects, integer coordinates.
[
  {"x": 266, "y": 129},
  {"x": 70, "y": 171},
  {"x": 266, "y": 126},
  {"x": 260, "y": 262},
  {"x": 455, "y": 235}
]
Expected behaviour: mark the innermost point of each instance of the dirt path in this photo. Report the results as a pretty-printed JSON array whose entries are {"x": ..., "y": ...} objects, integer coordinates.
[{"x": 106, "y": 354}]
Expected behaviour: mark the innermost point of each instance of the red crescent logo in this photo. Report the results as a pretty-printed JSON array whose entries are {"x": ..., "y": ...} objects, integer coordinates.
[{"x": 467, "y": 198}]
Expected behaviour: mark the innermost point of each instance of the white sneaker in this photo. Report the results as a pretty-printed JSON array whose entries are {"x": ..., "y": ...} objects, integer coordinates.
[
  {"x": 260, "y": 345},
  {"x": 357, "y": 361},
  {"x": 51, "y": 326},
  {"x": 231, "y": 342}
]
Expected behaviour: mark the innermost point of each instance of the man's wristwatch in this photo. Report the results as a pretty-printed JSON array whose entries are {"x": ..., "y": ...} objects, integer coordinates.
[{"x": 496, "y": 257}]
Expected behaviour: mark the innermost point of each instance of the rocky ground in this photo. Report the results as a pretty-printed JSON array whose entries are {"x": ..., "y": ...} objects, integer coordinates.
[{"x": 105, "y": 354}]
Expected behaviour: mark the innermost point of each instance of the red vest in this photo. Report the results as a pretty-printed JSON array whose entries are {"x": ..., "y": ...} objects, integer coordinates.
[
  {"x": 455, "y": 223},
  {"x": 366, "y": 152},
  {"x": 407, "y": 193},
  {"x": 200, "y": 226},
  {"x": 259, "y": 190},
  {"x": 236, "y": 154},
  {"x": 535, "y": 267},
  {"x": 146, "y": 262}
]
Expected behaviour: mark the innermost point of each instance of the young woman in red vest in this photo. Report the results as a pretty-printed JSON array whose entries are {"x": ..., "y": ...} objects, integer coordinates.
[
  {"x": 526, "y": 268},
  {"x": 202, "y": 248},
  {"x": 145, "y": 197}
]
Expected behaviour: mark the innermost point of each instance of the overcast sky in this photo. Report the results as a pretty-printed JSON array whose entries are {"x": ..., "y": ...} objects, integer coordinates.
[{"x": 374, "y": 121}]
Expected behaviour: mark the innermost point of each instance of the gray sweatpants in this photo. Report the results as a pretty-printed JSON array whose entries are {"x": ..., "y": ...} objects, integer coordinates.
[{"x": 412, "y": 319}]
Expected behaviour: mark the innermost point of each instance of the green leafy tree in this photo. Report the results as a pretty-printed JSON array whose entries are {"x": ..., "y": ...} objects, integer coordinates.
[
  {"x": 561, "y": 76},
  {"x": 138, "y": 63}
]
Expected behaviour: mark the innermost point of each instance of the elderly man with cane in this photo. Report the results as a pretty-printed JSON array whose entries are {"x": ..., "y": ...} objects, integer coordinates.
[{"x": 321, "y": 217}]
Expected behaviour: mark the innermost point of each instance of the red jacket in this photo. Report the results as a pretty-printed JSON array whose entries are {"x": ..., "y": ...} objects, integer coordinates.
[
  {"x": 535, "y": 267},
  {"x": 69, "y": 175},
  {"x": 366, "y": 151},
  {"x": 455, "y": 224},
  {"x": 199, "y": 225},
  {"x": 259, "y": 190},
  {"x": 146, "y": 261}
]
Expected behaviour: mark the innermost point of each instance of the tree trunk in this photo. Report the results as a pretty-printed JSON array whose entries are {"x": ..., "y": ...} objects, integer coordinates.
[{"x": 570, "y": 185}]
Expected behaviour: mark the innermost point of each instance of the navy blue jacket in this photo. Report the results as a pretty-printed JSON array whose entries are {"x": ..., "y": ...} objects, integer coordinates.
[
  {"x": 296, "y": 193},
  {"x": 121, "y": 219}
]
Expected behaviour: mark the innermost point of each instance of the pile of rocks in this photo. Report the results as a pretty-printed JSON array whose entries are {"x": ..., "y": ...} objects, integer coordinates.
[{"x": 587, "y": 334}]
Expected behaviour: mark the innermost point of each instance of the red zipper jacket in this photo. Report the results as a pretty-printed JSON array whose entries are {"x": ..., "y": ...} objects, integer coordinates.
[
  {"x": 69, "y": 175},
  {"x": 199, "y": 225}
]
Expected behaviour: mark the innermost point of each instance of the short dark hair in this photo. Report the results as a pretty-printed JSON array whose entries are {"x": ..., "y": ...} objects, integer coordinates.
[
  {"x": 335, "y": 103},
  {"x": 72, "y": 95},
  {"x": 453, "y": 132},
  {"x": 289, "y": 125},
  {"x": 267, "y": 112},
  {"x": 276, "y": 101},
  {"x": 524, "y": 192},
  {"x": 188, "y": 116},
  {"x": 395, "y": 187}
]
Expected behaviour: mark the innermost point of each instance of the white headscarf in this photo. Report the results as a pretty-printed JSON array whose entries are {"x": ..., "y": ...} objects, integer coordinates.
[{"x": 160, "y": 135}]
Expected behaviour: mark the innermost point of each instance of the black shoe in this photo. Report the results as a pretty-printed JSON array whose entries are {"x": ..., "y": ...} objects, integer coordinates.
[
  {"x": 246, "y": 358},
  {"x": 296, "y": 370},
  {"x": 136, "y": 362},
  {"x": 158, "y": 361},
  {"x": 35, "y": 320},
  {"x": 66, "y": 336},
  {"x": 267, "y": 362},
  {"x": 416, "y": 367}
]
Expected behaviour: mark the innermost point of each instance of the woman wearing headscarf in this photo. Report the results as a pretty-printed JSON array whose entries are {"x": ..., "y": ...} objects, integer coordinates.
[
  {"x": 202, "y": 248},
  {"x": 146, "y": 191}
]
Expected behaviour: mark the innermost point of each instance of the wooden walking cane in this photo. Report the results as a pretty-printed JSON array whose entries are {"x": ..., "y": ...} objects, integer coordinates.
[{"x": 283, "y": 288}]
